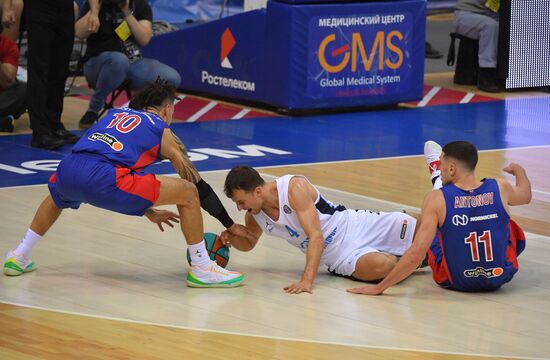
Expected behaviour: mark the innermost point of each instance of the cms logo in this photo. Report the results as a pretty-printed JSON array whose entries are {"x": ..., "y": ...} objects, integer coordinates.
[
  {"x": 460, "y": 220},
  {"x": 358, "y": 52},
  {"x": 227, "y": 44}
]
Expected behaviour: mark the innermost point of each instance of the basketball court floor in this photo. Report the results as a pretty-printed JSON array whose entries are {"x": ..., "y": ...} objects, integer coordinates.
[{"x": 111, "y": 286}]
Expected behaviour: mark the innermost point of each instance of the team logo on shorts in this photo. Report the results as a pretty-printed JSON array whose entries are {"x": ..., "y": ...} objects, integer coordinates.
[
  {"x": 403, "y": 229},
  {"x": 107, "y": 139},
  {"x": 287, "y": 209},
  {"x": 488, "y": 273}
]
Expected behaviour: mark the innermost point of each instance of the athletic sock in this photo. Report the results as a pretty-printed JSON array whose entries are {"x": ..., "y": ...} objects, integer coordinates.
[
  {"x": 199, "y": 255},
  {"x": 27, "y": 243}
]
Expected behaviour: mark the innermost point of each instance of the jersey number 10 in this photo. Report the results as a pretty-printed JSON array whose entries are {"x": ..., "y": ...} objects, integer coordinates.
[{"x": 473, "y": 240}]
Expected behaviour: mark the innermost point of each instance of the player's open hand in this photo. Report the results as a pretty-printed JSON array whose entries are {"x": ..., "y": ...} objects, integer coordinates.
[
  {"x": 366, "y": 290},
  {"x": 300, "y": 287},
  {"x": 160, "y": 217}
]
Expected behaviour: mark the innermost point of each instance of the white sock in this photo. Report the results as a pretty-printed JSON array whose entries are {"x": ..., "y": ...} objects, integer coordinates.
[
  {"x": 437, "y": 183},
  {"x": 27, "y": 243},
  {"x": 199, "y": 255}
]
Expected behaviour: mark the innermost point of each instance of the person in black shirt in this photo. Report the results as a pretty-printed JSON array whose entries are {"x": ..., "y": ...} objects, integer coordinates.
[{"x": 113, "y": 53}]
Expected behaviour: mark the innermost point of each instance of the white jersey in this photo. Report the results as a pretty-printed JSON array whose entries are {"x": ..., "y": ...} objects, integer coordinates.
[{"x": 345, "y": 231}]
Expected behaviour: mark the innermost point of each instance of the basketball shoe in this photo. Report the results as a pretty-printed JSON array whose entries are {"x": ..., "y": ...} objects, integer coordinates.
[
  {"x": 213, "y": 276},
  {"x": 432, "y": 154},
  {"x": 17, "y": 264}
]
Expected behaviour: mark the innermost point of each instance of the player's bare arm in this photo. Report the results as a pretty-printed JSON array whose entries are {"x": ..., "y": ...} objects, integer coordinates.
[
  {"x": 427, "y": 227},
  {"x": 170, "y": 150},
  {"x": 301, "y": 197},
  {"x": 520, "y": 194},
  {"x": 242, "y": 238}
]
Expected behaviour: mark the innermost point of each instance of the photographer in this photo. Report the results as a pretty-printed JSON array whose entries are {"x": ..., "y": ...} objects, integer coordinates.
[{"x": 113, "y": 52}]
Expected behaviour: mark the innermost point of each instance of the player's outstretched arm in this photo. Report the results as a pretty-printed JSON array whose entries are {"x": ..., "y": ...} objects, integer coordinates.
[
  {"x": 520, "y": 194},
  {"x": 416, "y": 253},
  {"x": 243, "y": 238},
  {"x": 300, "y": 197}
]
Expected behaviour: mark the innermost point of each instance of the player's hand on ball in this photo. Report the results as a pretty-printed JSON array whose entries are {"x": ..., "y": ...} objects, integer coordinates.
[
  {"x": 160, "y": 217},
  {"x": 366, "y": 290},
  {"x": 241, "y": 231},
  {"x": 300, "y": 287},
  {"x": 225, "y": 237}
]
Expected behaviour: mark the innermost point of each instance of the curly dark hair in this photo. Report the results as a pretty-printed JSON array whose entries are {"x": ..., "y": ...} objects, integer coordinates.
[{"x": 153, "y": 95}]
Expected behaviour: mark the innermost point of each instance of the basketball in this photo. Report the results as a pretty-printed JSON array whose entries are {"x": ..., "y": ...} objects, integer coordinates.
[{"x": 216, "y": 250}]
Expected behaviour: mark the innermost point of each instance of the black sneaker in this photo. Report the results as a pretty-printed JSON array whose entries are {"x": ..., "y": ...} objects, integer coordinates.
[
  {"x": 48, "y": 141},
  {"x": 487, "y": 80},
  {"x": 431, "y": 53},
  {"x": 67, "y": 136},
  {"x": 87, "y": 120},
  {"x": 6, "y": 123}
]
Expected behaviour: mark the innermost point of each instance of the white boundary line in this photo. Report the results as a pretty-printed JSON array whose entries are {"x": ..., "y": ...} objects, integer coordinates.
[
  {"x": 241, "y": 113},
  {"x": 466, "y": 99},
  {"x": 202, "y": 111},
  {"x": 141, "y": 322},
  {"x": 322, "y": 162},
  {"x": 426, "y": 99}
]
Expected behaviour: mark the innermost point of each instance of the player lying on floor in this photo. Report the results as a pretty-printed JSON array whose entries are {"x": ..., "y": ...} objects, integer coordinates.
[
  {"x": 476, "y": 243},
  {"x": 359, "y": 244}
]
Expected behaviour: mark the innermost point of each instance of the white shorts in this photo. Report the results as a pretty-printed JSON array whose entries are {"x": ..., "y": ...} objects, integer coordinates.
[{"x": 389, "y": 232}]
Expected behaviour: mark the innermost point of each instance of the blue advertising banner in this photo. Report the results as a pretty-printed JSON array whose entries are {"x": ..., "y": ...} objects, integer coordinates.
[
  {"x": 305, "y": 56},
  {"x": 359, "y": 55}
]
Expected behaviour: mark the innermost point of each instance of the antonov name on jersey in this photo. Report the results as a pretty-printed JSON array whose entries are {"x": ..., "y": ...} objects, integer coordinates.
[
  {"x": 474, "y": 201},
  {"x": 198, "y": 154}
]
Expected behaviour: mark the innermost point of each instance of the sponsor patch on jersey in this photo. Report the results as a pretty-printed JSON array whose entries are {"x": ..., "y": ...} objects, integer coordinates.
[
  {"x": 404, "y": 229},
  {"x": 488, "y": 273},
  {"x": 460, "y": 220},
  {"x": 287, "y": 209},
  {"x": 107, "y": 139}
]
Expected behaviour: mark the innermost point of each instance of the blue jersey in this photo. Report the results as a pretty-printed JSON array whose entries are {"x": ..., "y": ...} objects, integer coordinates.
[
  {"x": 474, "y": 245},
  {"x": 126, "y": 137}
]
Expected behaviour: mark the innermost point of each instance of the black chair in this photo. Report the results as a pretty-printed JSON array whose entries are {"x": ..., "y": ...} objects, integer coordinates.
[
  {"x": 467, "y": 65},
  {"x": 125, "y": 87}
]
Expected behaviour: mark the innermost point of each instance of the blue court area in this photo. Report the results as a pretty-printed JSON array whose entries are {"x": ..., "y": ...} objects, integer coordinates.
[{"x": 219, "y": 145}]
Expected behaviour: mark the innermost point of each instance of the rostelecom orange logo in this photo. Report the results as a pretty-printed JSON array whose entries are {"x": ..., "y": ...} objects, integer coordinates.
[{"x": 227, "y": 44}]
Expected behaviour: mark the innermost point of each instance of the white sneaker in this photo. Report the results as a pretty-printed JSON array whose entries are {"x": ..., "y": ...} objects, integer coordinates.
[
  {"x": 213, "y": 276},
  {"x": 17, "y": 264},
  {"x": 432, "y": 155}
]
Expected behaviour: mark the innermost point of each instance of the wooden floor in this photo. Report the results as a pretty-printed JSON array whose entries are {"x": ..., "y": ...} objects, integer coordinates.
[{"x": 113, "y": 287}]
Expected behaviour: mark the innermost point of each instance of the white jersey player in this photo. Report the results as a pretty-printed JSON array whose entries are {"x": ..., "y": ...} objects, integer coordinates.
[{"x": 359, "y": 244}]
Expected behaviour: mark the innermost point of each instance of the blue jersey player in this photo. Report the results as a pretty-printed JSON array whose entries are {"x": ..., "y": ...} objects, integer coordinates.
[
  {"x": 105, "y": 170},
  {"x": 476, "y": 243}
]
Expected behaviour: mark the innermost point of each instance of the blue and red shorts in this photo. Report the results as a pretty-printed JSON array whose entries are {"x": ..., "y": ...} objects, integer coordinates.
[
  {"x": 444, "y": 277},
  {"x": 90, "y": 178}
]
